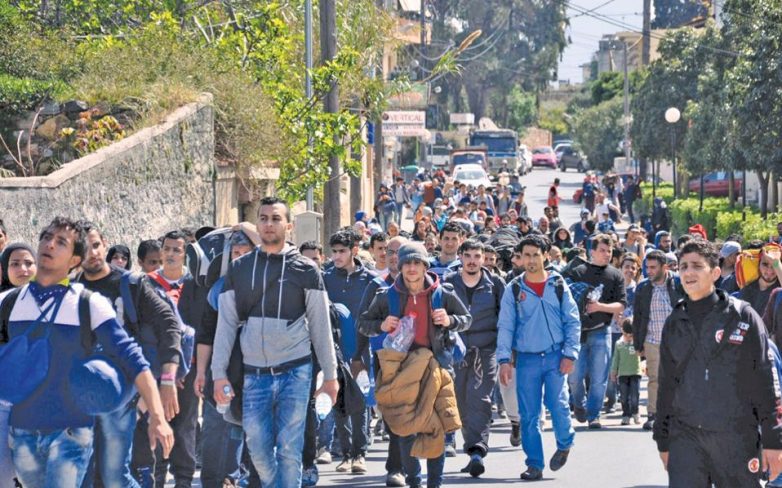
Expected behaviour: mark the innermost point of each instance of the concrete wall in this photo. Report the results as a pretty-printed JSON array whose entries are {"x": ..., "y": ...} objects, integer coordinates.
[{"x": 158, "y": 179}]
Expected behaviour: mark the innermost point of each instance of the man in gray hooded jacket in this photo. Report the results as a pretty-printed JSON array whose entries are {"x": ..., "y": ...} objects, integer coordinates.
[{"x": 277, "y": 337}]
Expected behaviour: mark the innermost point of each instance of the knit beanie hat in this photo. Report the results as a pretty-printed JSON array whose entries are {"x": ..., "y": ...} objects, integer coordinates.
[{"x": 413, "y": 251}]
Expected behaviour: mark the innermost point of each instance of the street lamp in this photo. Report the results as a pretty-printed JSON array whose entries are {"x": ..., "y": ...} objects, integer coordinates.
[{"x": 673, "y": 115}]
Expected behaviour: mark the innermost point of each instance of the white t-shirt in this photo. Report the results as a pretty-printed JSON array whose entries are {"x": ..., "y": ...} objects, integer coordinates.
[{"x": 600, "y": 210}]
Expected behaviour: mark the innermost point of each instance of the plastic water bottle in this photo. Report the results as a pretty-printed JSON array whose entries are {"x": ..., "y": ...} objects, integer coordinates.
[
  {"x": 362, "y": 380},
  {"x": 594, "y": 295},
  {"x": 223, "y": 407},
  {"x": 322, "y": 405}
]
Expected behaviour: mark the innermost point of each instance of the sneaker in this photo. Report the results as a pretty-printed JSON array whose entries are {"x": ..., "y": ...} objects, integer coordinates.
[
  {"x": 345, "y": 465},
  {"x": 636, "y": 419},
  {"x": 450, "y": 450},
  {"x": 324, "y": 457},
  {"x": 625, "y": 420},
  {"x": 386, "y": 437},
  {"x": 559, "y": 459},
  {"x": 395, "y": 479},
  {"x": 476, "y": 467},
  {"x": 309, "y": 476},
  {"x": 501, "y": 413},
  {"x": 649, "y": 424},
  {"x": 515, "y": 434},
  {"x": 378, "y": 429},
  {"x": 359, "y": 465},
  {"x": 595, "y": 424},
  {"x": 532, "y": 474},
  {"x": 581, "y": 414}
]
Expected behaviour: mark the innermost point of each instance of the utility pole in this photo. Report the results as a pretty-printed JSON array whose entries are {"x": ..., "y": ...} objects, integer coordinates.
[
  {"x": 308, "y": 81},
  {"x": 626, "y": 105},
  {"x": 423, "y": 75},
  {"x": 328, "y": 51},
  {"x": 646, "y": 48}
]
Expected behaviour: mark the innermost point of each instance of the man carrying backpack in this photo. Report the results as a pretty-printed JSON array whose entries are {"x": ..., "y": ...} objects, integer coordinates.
[
  {"x": 51, "y": 434},
  {"x": 279, "y": 297},
  {"x": 476, "y": 374},
  {"x": 435, "y": 314},
  {"x": 539, "y": 329},
  {"x": 150, "y": 321}
]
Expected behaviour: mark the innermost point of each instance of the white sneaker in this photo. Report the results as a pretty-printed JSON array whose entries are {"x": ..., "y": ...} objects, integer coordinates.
[
  {"x": 637, "y": 419},
  {"x": 625, "y": 420},
  {"x": 324, "y": 457}
]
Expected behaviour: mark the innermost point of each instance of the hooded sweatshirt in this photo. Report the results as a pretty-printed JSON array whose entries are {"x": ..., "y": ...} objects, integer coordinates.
[{"x": 284, "y": 303}]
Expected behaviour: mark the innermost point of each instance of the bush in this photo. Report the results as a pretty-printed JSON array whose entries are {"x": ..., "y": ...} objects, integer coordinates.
[
  {"x": 644, "y": 207},
  {"x": 17, "y": 94}
]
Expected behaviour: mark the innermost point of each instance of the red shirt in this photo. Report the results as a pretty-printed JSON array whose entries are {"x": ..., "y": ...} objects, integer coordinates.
[
  {"x": 536, "y": 287},
  {"x": 420, "y": 304}
]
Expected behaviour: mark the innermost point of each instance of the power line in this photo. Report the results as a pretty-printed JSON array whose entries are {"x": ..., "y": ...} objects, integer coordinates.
[
  {"x": 594, "y": 9},
  {"x": 630, "y": 28}
]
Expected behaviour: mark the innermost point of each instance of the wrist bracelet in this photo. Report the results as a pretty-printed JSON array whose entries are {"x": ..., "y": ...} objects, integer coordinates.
[
  {"x": 167, "y": 383},
  {"x": 168, "y": 377}
]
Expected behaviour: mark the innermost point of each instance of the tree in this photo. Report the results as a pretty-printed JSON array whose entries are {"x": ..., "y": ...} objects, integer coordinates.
[
  {"x": 553, "y": 120},
  {"x": 597, "y": 131},
  {"x": 670, "y": 14},
  {"x": 521, "y": 109}
]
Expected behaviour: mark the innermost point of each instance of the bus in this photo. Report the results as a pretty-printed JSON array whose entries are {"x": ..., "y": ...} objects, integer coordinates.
[{"x": 501, "y": 144}]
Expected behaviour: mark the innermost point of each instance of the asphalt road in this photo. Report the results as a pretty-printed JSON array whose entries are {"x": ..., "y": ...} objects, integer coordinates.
[{"x": 614, "y": 457}]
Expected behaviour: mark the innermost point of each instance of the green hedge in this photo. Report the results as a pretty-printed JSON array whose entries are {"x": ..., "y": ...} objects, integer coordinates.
[{"x": 644, "y": 206}]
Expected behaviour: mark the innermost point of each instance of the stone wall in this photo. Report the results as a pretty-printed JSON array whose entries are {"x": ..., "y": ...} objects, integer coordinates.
[{"x": 158, "y": 179}]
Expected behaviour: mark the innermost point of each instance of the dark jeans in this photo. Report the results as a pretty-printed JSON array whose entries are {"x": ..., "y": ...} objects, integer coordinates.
[
  {"x": 352, "y": 433},
  {"x": 394, "y": 460},
  {"x": 182, "y": 461},
  {"x": 629, "y": 206},
  {"x": 629, "y": 389},
  {"x": 434, "y": 467},
  {"x": 474, "y": 387},
  {"x": 221, "y": 452},
  {"x": 612, "y": 388},
  {"x": 311, "y": 427}
]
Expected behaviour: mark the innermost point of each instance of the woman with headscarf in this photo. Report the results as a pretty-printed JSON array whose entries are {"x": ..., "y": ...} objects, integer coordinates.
[
  {"x": 18, "y": 264},
  {"x": 562, "y": 239},
  {"x": 119, "y": 256}
]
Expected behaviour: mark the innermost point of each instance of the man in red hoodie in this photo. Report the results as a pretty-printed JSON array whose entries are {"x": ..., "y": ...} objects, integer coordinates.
[{"x": 416, "y": 286}]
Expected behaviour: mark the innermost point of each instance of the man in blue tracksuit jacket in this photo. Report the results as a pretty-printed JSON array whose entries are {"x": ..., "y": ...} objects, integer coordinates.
[{"x": 539, "y": 325}]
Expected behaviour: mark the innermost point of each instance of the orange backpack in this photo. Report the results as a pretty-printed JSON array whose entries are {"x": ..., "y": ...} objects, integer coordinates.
[{"x": 748, "y": 264}]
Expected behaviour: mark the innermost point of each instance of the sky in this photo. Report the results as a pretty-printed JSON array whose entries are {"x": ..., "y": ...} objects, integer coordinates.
[{"x": 585, "y": 31}]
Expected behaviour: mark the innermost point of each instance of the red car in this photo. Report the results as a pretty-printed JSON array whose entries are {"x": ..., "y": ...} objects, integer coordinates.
[
  {"x": 716, "y": 184},
  {"x": 544, "y": 156}
]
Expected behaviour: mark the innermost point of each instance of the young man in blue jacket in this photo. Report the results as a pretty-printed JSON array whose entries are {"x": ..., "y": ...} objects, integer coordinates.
[
  {"x": 51, "y": 435},
  {"x": 539, "y": 325}
]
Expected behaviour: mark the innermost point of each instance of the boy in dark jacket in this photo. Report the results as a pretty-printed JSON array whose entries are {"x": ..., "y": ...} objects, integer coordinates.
[
  {"x": 415, "y": 288},
  {"x": 717, "y": 408}
]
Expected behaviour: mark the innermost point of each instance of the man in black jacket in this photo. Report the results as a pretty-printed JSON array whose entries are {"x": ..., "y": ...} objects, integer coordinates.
[
  {"x": 595, "y": 357},
  {"x": 157, "y": 331},
  {"x": 654, "y": 300},
  {"x": 718, "y": 407},
  {"x": 416, "y": 287},
  {"x": 476, "y": 375}
]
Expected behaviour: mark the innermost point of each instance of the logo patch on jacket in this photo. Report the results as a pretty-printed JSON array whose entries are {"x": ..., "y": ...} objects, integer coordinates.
[
  {"x": 737, "y": 336},
  {"x": 522, "y": 295},
  {"x": 753, "y": 465},
  {"x": 718, "y": 336}
]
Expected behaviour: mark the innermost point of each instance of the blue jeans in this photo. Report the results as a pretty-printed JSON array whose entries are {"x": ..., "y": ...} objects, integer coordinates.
[
  {"x": 221, "y": 453},
  {"x": 6, "y": 461},
  {"x": 326, "y": 432},
  {"x": 54, "y": 460},
  {"x": 537, "y": 375},
  {"x": 400, "y": 208},
  {"x": 109, "y": 465},
  {"x": 274, "y": 417},
  {"x": 594, "y": 361},
  {"x": 434, "y": 467},
  {"x": 352, "y": 433}
]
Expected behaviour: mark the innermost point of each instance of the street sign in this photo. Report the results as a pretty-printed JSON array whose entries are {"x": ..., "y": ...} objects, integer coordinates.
[
  {"x": 405, "y": 117},
  {"x": 397, "y": 130},
  {"x": 462, "y": 119}
]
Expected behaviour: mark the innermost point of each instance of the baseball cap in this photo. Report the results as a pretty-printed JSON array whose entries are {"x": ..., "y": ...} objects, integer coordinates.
[{"x": 730, "y": 248}]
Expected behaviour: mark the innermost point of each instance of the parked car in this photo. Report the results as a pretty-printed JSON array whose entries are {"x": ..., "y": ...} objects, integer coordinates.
[
  {"x": 544, "y": 156},
  {"x": 717, "y": 184},
  {"x": 571, "y": 158},
  {"x": 472, "y": 175},
  {"x": 559, "y": 148}
]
